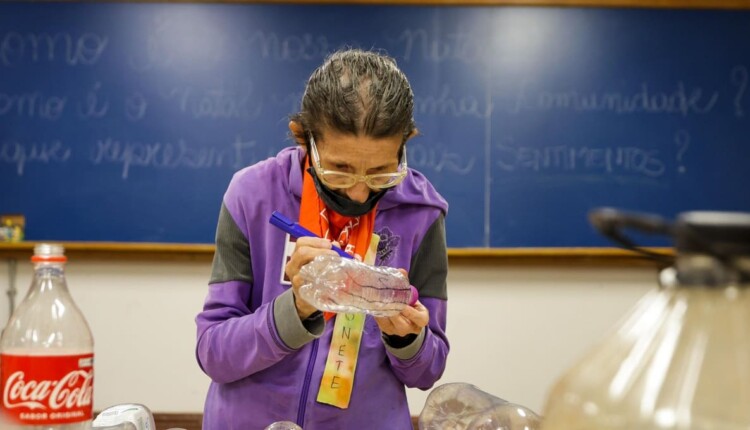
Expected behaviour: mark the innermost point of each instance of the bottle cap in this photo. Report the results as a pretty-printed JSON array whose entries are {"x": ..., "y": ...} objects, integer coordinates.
[
  {"x": 49, "y": 252},
  {"x": 414, "y": 295}
]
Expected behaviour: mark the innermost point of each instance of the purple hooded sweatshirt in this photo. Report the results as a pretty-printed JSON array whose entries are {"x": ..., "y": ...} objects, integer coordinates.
[{"x": 264, "y": 363}]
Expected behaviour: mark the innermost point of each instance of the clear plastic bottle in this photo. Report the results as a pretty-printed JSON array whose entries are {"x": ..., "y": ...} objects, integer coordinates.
[
  {"x": 126, "y": 416},
  {"x": 681, "y": 358},
  {"x": 46, "y": 353},
  {"x": 283, "y": 425},
  {"x": 462, "y": 406},
  {"x": 337, "y": 284}
]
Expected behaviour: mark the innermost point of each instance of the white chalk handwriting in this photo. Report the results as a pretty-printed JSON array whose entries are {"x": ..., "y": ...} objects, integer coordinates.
[
  {"x": 32, "y": 105},
  {"x": 72, "y": 50},
  {"x": 93, "y": 107},
  {"x": 217, "y": 102},
  {"x": 177, "y": 154},
  {"x": 646, "y": 99},
  {"x": 136, "y": 106},
  {"x": 20, "y": 154},
  {"x": 422, "y": 45},
  {"x": 438, "y": 158},
  {"x": 567, "y": 158},
  {"x": 453, "y": 105},
  {"x": 292, "y": 48}
]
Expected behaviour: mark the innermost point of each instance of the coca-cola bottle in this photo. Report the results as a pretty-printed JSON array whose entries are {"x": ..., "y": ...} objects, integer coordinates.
[{"x": 47, "y": 354}]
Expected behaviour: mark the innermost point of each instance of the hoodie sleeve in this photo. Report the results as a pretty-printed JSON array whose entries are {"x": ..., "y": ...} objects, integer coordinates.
[
  {"x": 234, "y": 341},
  {"x": 421, "y": 363}
]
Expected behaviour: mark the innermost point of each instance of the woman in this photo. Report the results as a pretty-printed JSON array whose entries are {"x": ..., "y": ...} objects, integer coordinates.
[{"x": 271, "y": 355}]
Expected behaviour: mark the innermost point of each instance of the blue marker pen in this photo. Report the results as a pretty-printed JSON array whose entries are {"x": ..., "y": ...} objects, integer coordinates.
[{"x": 296, "y": 230}]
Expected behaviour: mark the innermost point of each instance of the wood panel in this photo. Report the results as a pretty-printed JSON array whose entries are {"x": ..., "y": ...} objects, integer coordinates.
[
  {"x": 204, "y": 253},
  {"x": 194, "y": 421},
  {"x": 165, "y": 421}
]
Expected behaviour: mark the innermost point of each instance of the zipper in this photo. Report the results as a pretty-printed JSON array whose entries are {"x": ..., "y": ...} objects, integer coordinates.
[{"x": 306, "y": 384}]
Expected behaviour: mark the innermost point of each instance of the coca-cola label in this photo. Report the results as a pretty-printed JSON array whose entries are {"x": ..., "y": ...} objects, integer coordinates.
[{"x": 47, "y": 390}]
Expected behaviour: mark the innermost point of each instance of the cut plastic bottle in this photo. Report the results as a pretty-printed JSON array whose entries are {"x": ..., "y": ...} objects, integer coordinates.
[{"x": 341, "y": 285}]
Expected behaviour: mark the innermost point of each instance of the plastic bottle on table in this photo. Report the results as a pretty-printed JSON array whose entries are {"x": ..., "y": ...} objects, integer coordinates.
[
  {"x": 342, "y": 285},
  {"x": 126, "y": 416},
  {"x": 47, "y": 354},
  {"x": 680, "y": 359},
  {"x": 462, "y": 406},
  {"x": 283, "y": 425}
]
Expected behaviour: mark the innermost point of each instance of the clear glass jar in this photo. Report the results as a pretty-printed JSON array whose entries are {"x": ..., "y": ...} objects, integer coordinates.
[{"x": 681, "y": 358}]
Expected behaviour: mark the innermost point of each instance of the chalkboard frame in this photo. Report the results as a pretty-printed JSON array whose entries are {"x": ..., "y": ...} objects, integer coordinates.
[
  {"x": 671, "y": 4},
  {"x": 120, "y": 251}
]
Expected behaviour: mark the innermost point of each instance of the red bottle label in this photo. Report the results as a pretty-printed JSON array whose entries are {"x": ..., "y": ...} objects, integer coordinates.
[{"x": 47, "y": 390}]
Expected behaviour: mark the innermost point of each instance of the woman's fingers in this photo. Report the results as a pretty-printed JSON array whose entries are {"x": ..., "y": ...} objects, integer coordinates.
[
  {"x": 305, "y": 250},
  {"x": 410, "y": 320}
]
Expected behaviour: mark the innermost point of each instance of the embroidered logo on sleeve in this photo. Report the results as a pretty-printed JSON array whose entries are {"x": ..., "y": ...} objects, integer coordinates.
[{"x": 387, "y": 246}]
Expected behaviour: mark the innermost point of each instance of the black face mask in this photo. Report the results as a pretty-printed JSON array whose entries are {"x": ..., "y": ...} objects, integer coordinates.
[{"x": 342, "y": 204}]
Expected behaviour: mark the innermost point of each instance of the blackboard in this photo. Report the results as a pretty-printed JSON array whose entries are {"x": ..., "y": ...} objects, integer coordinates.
[{"x": 125, "y": 121}]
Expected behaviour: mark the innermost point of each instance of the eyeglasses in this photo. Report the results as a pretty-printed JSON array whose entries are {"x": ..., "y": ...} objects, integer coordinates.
[{"x": 339, "y": 180}]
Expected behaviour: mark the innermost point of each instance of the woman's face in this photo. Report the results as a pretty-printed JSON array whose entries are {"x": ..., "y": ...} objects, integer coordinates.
[{"x": 359, "y": 155}]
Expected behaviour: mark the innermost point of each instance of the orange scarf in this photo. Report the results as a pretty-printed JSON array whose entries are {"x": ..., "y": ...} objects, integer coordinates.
[{"x": 352, "y": 233}]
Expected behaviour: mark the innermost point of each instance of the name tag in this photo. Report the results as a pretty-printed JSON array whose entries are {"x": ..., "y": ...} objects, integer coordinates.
[
  {"x": 338, "y": 376},
  {"x": 289, "y": 244}
]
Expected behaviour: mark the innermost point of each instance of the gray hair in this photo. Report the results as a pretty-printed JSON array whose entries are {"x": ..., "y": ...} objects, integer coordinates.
[{"x": 358, "y": 92}]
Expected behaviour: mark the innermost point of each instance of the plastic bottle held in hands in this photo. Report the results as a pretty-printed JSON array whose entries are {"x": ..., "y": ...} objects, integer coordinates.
[
  {"x": 341, "y": 285},
  {"x": 681, "y": 358},
  {"x": 47, "y": 354}
]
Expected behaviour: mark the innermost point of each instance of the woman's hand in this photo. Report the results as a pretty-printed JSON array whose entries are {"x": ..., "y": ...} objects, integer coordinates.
[
  {"x": 411, "y": 320},
  {"x": 305, "y": 250}
]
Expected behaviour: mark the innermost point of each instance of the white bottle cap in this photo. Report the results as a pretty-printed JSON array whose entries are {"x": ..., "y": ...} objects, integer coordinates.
[{"x": 49, "y": 252}]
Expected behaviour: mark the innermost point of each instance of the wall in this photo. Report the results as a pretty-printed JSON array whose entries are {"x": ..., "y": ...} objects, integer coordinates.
[{"x": 513, "y": 330}]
